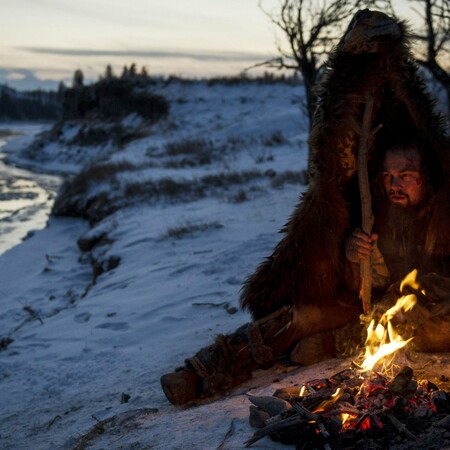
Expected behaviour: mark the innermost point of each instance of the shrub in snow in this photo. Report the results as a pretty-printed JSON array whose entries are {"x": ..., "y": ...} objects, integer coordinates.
[
  {"x": 189, "y": 229},
  {"x": 87, "y": 194}
]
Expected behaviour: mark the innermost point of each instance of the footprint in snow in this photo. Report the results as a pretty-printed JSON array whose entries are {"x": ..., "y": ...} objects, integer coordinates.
[
  {"x": 83, "y": 317},
  {"x": 115, "y": 326}
]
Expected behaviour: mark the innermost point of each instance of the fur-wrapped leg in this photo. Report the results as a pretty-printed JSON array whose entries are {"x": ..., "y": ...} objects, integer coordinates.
[
  {"x": 212, "y": 369},
  {"x": 231, "y": 359}
]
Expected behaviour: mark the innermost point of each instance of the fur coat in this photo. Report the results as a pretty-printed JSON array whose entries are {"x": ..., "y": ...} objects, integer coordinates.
[{"x": 373, "y": 57}]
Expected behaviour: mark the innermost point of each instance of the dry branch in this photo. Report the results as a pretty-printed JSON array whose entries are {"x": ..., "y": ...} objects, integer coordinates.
[{"x": 366, "y": 202}]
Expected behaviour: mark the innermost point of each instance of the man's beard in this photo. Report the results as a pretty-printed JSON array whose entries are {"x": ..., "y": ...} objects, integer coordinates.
[{"x": 401, "y": 217}]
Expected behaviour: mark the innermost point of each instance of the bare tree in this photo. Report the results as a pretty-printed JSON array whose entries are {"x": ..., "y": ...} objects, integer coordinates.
[
  {"x": 433, "y": 52},
  {"x": 312, "y": 28}
]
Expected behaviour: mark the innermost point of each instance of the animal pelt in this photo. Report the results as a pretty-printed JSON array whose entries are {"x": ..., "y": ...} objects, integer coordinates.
[{"x": 372, "y": 58}]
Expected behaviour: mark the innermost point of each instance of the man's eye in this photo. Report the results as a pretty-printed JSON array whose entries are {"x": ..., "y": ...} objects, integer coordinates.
[{"x": 407, "y": 176}]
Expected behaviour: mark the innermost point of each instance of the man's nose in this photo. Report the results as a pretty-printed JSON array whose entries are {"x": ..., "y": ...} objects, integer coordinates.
[{"x": 396, "y": 182}]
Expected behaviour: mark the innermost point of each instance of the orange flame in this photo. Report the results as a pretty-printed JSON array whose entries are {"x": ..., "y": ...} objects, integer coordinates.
[{"x": 383, "y": 340}]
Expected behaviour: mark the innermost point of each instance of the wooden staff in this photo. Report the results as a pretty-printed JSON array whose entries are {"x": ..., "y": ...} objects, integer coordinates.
[{"x": 366, "y": 203}]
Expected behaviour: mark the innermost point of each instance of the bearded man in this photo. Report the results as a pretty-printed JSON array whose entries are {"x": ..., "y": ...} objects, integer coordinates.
[{"x": 401, "y": 224}]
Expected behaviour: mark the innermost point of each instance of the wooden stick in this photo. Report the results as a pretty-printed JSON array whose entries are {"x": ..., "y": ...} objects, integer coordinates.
[{"x": 366, "y": 203}]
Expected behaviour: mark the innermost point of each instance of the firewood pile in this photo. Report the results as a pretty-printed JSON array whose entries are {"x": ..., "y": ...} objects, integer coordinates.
[{"x": 355, "y": 409}]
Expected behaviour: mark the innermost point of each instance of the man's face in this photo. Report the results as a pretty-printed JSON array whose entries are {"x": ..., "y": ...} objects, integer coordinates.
[{"x": 402, "y": 180}]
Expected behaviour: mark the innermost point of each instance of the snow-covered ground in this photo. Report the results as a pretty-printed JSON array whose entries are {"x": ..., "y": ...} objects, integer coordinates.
[
  {"x": 80, "y": 348},
  {"x": 83, "y": 367}
]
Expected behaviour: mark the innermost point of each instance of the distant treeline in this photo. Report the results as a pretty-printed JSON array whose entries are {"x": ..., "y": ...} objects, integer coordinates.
[
  {"x": 30, "y": 105},
  {"x": 113, "y": 97}
]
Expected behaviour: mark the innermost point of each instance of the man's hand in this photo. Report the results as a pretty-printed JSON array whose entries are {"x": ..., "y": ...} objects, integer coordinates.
[{"x": 359, "y": 245}]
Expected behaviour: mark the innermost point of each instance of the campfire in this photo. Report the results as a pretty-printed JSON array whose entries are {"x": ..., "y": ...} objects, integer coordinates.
[{"x": 373, "y": 404}]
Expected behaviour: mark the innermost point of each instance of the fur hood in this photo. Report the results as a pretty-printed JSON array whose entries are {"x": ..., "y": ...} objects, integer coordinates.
[{"x": 373, "y": 58}]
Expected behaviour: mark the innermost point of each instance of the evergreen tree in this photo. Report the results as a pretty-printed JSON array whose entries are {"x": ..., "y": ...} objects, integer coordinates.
[
  {"x": 144, "y": 73},
  {"x": 61, "y": 92},
  {"x": 78, "y": 79},
  {"x": 133, "y": 70},
  {"x": 109, "y": 74}
]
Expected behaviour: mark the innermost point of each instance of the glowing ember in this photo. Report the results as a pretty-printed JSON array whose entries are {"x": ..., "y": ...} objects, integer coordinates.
[
  {"x": 325, "y": 405},
  {"x": 383, "y": 340},
  {"x": 346, "y": 420}
]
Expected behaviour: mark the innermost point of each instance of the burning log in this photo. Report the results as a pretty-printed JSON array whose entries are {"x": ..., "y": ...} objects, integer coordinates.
[
  {"x": 353, "y": 409},
  {"x": 402, "y": 384}
]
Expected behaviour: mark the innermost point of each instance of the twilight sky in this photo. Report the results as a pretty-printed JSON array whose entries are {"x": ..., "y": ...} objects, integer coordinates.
[
  {"x": 44, "y": 41},
  {"x": 49, "y": 39}
]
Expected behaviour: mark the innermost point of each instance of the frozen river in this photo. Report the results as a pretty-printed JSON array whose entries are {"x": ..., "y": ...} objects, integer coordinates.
[{"x": 26, "y": 198}]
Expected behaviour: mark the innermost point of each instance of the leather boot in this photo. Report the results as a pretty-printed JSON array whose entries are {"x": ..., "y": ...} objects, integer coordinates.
[
  {"x": 181, "y": 387},
  {"x": 313, "y": 349}
]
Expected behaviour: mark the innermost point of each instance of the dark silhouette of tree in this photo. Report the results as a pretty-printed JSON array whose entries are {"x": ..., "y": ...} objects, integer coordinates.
[
  {"x": 78, "y": 79},
  {"x": 144, "y": 72},
  {"x": 61, "y": 91},
  {"x": 133, "y": 71},
  {"x": 311, "y": 28},
  {"x": 78, "y": 100},
  {"x": 109, "y": 74}
]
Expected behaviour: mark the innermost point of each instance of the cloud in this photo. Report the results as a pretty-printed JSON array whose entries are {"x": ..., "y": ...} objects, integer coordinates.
[{"x": 224, "y": 56}]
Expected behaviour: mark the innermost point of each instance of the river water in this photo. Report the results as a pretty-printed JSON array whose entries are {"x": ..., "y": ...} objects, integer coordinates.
[{"x": 26, "y": 198}]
